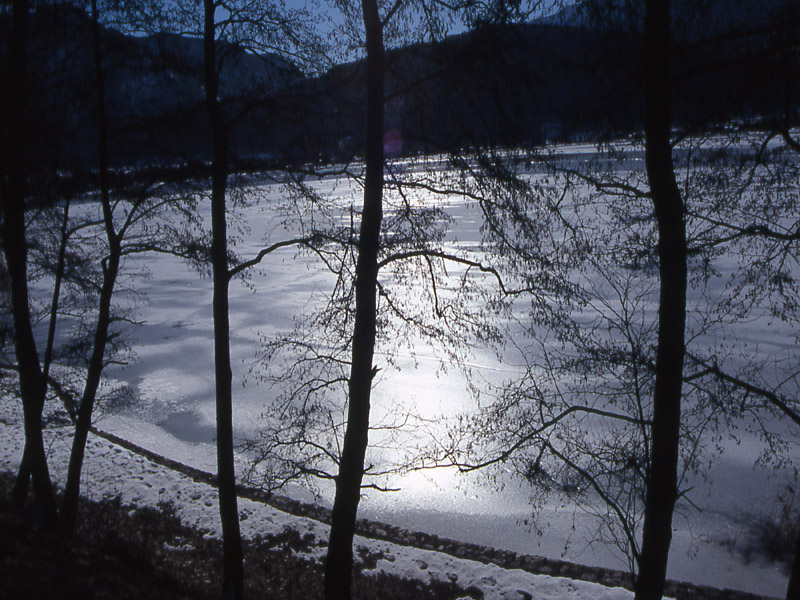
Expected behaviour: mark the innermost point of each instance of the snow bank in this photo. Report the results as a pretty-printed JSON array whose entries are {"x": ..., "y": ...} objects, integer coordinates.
[{"x": 111, "y": 470}]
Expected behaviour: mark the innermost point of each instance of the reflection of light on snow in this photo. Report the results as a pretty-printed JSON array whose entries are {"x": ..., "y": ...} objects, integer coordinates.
[
  {"x": 437, "y": 490},
  {"x": 419, "y": 484},
  {"x": 174, "y": 379}
]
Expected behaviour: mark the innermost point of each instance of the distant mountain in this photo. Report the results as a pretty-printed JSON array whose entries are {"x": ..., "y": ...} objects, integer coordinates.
[
  {"x": 497, "y": 85},
  {"x": 154, "y": 90},
  {"x": 512, "y": 84},
  {"x": 566, "y": 78}
]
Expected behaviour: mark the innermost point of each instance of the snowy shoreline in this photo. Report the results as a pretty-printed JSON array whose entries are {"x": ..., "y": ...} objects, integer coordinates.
[
  {"x": 538, "y": 565},
  {"x": 118, "y": 467}
]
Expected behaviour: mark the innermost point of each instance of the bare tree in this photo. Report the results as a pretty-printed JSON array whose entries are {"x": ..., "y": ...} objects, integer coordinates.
[
  {"x": 265, "y": 26},
  {"x": 233, "y": 577},
  {"x": 354, "y": 312},
  {"x": 600, "y": 356},
  {"x": 32, "y": 384},
  {"x": 339, "y": 561},
  {"x": 662, "y": 476},
  {"x": 111, "y": 266}
]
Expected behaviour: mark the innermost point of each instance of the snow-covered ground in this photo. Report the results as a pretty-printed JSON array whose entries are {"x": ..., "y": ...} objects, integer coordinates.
[
  {"x": 172, "y": 377},
  {"x": 112, "y": 471}
]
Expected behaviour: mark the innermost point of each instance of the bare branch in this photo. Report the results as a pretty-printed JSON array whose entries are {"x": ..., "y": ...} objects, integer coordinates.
[{"x": 306, "y": 241}]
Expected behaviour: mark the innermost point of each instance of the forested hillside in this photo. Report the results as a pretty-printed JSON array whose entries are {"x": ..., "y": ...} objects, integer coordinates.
[{"x": 566, "y": 78}]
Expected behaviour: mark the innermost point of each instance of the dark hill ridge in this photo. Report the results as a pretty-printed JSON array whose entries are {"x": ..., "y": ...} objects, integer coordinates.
[
  {"x": 530, "y": 83},
  {"x": 154, "y": 90},
  {"x": 499, "y": 84}
]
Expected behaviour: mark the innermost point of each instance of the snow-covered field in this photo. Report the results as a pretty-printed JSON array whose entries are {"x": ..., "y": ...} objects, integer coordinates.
[{"x": 173, "y": 415}]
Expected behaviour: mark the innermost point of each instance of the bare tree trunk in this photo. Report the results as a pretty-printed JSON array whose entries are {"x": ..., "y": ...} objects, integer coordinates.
[
  {"x": 20, "y": 491},
  {"x": 339, "y": 563},
  {"x": 32, "y": 383},
  {"x": 69, "y": 505},
  {"x": 662, "y": 480},
  {"x": 233, "y": 575},
  {"x": 59, "y": 277}
]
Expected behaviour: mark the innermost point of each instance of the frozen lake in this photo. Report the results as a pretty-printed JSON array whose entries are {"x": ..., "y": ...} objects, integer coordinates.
[{"x": 172, "y": 377}]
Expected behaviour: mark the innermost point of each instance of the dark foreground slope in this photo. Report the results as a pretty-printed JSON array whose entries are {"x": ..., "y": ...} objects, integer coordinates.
[{"x": 123, "y": 553}]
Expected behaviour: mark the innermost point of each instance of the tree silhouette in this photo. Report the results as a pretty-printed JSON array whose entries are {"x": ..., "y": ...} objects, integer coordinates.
[{"x": 32, "y": 383}]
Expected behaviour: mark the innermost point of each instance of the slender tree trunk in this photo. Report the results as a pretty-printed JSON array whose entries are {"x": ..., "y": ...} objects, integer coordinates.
[
  {"x": 51, "y": 329},
  {"x": 662, "y": 480},
  {"x": 32, "y": 384},
  {"x": 339, "y": 563},
  {"x": 793, "y": 590},
  {"x": 13, "y": 190},
  {"x": 59, "y": 277},
  {"x": 233, "y": 575},
  {"x": 20, "y": 491},
  {"x": 69, "y": 506}
]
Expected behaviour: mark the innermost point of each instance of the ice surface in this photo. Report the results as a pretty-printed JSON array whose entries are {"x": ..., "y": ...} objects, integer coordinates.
[{"x": 174, "y": 416}]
